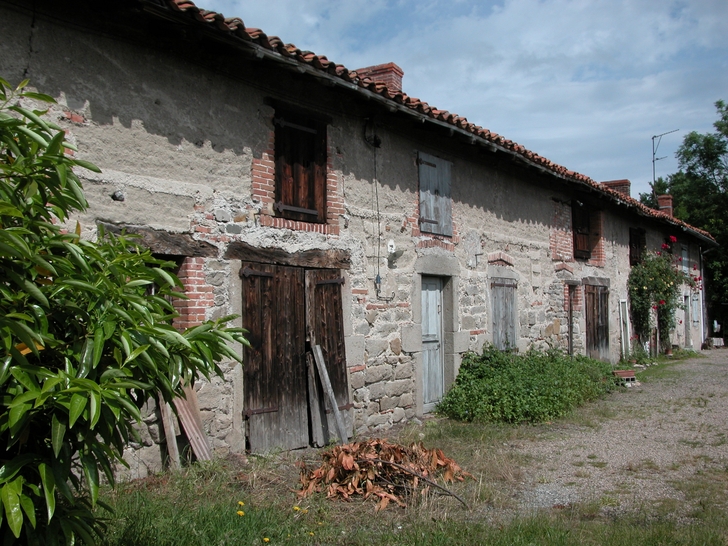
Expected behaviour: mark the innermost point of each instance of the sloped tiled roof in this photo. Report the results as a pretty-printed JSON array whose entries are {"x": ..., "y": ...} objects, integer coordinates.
[{"x": 235, "y": 29}]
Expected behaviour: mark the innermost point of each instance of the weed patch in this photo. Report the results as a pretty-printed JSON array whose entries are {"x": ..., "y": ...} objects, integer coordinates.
[{"x": 535, "y": 387}]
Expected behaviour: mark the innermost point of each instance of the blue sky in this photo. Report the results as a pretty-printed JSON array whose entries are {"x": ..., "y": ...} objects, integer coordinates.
[{"x": 586, "y": 83}]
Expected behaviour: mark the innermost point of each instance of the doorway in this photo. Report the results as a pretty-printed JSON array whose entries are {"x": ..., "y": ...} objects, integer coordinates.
[
  {"x": 596, "y": 300},
  {"x": 433, "y": 358},
  {"x": 287, "y": 310}
]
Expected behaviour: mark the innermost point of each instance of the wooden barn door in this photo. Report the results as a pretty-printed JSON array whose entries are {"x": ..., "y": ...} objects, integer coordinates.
[
  {"x": 596, "y": 300},
  {"x": 503, "y": 294},
  {"x": 325, "y": 322},
  {"x": 274, "y": 368},
  {"x": 433, "y": 358},
  {"x": 286, "y": 311}
]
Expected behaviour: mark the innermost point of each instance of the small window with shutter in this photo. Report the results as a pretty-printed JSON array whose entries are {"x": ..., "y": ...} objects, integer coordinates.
[
  {"x": 637, "y": 244},
  {"x": 300, "y": 159},
  {"x": 580, "y": 225},
  {"x": 435, "y": 201}
]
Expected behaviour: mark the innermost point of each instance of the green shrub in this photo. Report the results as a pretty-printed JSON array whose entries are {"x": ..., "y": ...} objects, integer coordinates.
[{"x": 534, "y": 387}]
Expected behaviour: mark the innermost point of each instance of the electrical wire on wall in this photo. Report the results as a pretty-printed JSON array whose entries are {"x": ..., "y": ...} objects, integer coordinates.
[{"x": 371, "y": 138}]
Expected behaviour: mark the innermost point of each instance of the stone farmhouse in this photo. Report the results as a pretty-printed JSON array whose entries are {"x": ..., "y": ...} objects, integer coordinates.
[{"x": 326, "y": 207}]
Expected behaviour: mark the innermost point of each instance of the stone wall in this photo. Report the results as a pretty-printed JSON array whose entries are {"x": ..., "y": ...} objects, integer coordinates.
[{"x": 187, "y": 150}]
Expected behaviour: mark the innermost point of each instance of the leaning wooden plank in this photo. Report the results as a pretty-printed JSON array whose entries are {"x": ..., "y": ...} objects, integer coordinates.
[
  {"x": 326, "y": 382},
  {"x": 169, "y": 435},
  {"x": 314, "y": 404},
  {"x": 189, "y": 415}
]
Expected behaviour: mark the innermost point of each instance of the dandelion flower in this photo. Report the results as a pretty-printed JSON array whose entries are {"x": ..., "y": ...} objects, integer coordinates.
[
  {"x": 241, "y": 503},
  {"x": 296, "y": 508},
  {"x": 241, "y": 513},
  {"x": 310, "y": 533},
  {"x": 266, "y": 539},
  {"x": 304, "y": 511}
]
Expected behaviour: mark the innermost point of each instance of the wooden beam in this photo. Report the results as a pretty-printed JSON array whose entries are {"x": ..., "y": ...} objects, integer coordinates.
[
  {"x": 164, "y": 242},
  {"x": 322, "y": 259},
  {"x": 318, "y": 355},
  {"x": 314, "y": 404}
]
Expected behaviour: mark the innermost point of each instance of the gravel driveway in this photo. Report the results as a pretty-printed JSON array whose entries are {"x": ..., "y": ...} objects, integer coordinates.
[{"x": 642, "y": 450}]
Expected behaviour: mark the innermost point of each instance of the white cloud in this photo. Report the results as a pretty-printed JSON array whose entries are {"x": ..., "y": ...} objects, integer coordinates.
[{"x": 583, "y": 82}]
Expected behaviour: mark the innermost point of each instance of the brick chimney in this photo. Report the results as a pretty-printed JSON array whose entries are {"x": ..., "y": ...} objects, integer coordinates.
[
  {"x": 622, "y": 186},
  {"x": 389, "y": 74},
  {"x": 665, "y": 204}
]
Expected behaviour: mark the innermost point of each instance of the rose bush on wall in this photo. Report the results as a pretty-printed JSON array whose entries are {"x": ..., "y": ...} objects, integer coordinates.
[{"x": 655, "y": 289}]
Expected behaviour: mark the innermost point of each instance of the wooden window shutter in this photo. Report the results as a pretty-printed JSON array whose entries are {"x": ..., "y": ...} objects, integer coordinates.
[
  {"x": 503, "y": 297},
  {"x": 435, "y": 194},
  {"x": 300, "y": 157},
  {"x": 580, "y": 225},
  {"x": 637, "y": 243}
]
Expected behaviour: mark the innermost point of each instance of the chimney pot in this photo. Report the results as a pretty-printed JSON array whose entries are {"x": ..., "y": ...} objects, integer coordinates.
[{"x": 664, "y": 202}]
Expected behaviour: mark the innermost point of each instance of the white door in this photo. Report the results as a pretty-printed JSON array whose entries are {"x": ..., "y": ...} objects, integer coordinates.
[{"x": 433, "y": 368}]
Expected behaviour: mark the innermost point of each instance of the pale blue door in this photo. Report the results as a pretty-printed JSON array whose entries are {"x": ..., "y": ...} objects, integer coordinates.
[{"x": 433, "y": 383}]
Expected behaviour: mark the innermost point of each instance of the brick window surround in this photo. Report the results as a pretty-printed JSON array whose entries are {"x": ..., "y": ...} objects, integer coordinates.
[
  {"x": 264, "y": 192},
  {"x": 588, "y": 239}
]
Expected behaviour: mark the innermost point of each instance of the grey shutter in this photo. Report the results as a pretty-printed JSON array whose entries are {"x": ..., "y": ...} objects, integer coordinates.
[
  {"x": 435, "y": 189},
  {"x": 503, "y": 294}
]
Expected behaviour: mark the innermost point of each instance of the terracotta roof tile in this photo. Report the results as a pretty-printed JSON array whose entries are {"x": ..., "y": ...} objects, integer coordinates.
[{"x": 235, "y": 26}]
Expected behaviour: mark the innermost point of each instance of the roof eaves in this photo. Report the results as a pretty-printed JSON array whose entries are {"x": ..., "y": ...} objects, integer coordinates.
[{"x": 323, "y": 69}]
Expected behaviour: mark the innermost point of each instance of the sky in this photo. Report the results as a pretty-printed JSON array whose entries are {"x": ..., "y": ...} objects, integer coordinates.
[{"x": 585, "y": 83}]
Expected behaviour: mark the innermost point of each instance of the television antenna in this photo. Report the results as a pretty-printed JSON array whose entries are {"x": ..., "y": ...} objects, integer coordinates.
[{"x": 656, "y": 139}]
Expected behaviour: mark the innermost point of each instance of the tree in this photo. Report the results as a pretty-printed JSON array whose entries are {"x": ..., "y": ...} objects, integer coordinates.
[
  {"x": 700, "y": 198},
  {"x": 84, "y": 344},
  {"x": 658, "y": 187}
]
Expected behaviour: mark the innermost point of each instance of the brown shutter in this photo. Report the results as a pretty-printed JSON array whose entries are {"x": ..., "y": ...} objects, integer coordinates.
[
  {"x": 637, "y": 243},
  {"x": 300, "y": 156},
  {"x": 580, "y": 226}
]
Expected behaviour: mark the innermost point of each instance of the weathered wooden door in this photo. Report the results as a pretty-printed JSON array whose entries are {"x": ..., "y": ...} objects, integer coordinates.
[
  {"x": 503, "y": 295},
  {"x": 276, "y": 405},
  {"x": 286, "y": 311},
  {"x": 433, "y": 358},
  {"x": 596, "y": 301},
  {"x": 325, "y": 322}
]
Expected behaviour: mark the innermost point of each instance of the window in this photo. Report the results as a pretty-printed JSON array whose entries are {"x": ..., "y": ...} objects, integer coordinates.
[
  {"x": 503, "y": 299},
  {"x": 580, "y": 225},
  {"x": 587, "y": 227},
  {"x": 435, "y": 202},
  {"x": 300, "y": 157},
  {"x": 637, "y": 244},
  {"x": 685, "y": 259}
]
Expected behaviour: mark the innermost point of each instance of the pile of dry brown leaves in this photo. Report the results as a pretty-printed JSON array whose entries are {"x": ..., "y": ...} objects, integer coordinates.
[{"x": 376, "y": 468}]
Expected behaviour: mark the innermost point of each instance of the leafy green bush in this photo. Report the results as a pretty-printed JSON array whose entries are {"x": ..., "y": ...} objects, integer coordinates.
[
  {"x": 82, "y": 342},
  {"x": 534, "y": 387}
]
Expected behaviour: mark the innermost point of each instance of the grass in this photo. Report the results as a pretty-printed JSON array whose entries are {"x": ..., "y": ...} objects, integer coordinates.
[{"x": 199, "y": 505}]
